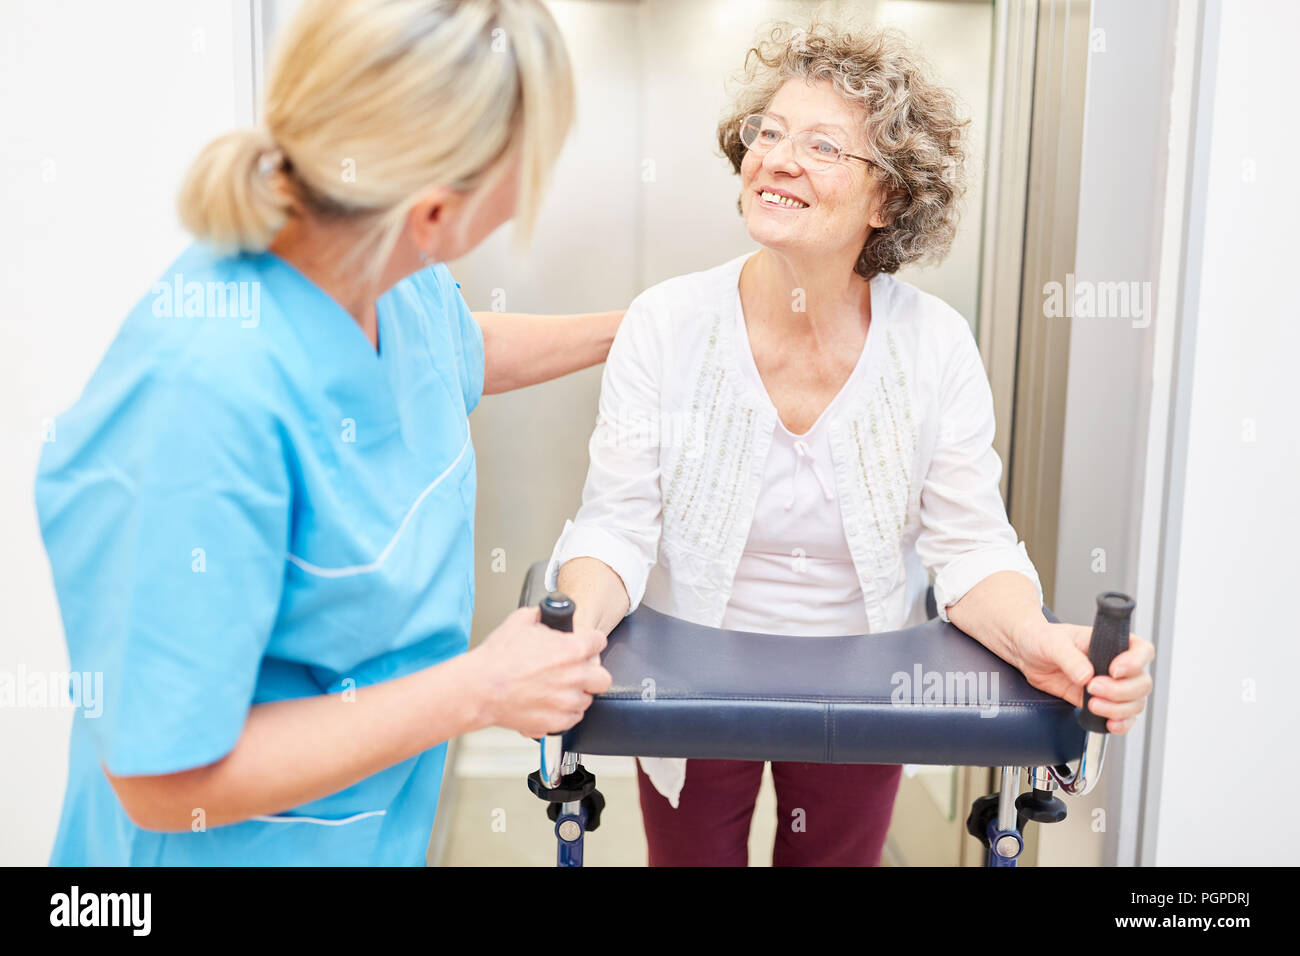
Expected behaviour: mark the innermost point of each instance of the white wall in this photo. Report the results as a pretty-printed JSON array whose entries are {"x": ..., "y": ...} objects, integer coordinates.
[
  {"x": 104, "y": 105},
  {"x": 1221, "y": 782}
]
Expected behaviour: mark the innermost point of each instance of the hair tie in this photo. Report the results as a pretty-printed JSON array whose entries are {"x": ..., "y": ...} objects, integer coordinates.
[{"x": 270, "y": 161}]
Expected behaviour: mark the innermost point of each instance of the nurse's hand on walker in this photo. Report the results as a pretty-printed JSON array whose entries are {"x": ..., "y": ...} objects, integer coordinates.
[
  {"x": 537, "y": 680},
  {"x": 524, "y": 676}
]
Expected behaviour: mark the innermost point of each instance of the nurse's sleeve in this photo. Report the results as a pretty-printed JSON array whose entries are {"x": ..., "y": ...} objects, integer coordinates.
[
  {"x": 470, "y": 341},
  {"x": 965, "y": 535},
  {"x": 619, "y": 522},
  {"x": 168, "y": 541}
]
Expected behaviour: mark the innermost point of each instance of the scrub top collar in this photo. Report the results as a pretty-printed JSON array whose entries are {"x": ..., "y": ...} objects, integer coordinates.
[
  {"x": 348, "y": 367},
  {"x": 331, "y": 331}
]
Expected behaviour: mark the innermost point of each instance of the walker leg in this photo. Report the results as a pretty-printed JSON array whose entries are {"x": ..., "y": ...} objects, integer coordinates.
[
  {"x": 1005, "y": 841},
  {"x": 575, "y": 806},
  {"x": 570, "y": 827}
]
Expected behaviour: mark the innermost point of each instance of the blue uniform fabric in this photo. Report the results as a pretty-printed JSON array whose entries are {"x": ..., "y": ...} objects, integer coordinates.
[{"x": 249, "y": 503}]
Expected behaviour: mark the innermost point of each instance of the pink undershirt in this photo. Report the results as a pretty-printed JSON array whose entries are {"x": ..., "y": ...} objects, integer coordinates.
[{"x": 796, "y": 576}]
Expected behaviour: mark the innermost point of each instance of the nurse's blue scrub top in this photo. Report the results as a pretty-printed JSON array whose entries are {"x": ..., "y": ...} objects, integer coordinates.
[{"x": 249, "y": 503}]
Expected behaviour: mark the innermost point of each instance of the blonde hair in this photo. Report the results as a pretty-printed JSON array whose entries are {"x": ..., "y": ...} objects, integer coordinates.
[
  {"x": 911, "y": 125},
  {"x": 371, "y": 102}
]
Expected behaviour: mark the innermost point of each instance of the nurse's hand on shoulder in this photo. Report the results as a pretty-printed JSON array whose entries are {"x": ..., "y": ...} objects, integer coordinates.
[{"x": 537, "y": 680}]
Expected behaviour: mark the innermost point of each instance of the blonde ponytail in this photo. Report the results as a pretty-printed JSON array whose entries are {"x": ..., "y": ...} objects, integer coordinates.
[
  {"x": 372, "y": 102},
  {"x": 232, "y": 196}
]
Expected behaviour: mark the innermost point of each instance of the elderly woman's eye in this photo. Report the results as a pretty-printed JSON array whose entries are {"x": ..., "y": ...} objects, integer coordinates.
[
  {"x": 825, "y": 148},
  {"x": 769, "y": 136}
]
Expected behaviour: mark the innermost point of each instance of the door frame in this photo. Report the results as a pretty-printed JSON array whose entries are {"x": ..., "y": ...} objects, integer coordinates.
[{"x": 1030, "y": 223}]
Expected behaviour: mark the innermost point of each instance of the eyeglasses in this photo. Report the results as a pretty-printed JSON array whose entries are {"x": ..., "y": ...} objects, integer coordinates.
[{"x": 761, "y": 133}]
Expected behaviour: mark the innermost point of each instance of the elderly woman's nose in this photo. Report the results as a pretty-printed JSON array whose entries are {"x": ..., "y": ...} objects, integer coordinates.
[{"x": 782, "y": 156}]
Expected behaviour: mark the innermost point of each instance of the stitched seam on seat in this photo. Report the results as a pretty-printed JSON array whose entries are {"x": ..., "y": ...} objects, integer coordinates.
[
  {"x": 1002, "y": 705},
  {"x": 829, "y": 733}
]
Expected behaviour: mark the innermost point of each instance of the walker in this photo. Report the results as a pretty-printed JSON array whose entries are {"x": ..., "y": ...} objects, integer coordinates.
[{"x": 683, "y": 690}]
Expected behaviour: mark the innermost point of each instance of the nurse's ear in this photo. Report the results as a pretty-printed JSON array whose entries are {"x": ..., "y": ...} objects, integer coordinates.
[
  {"x": 432, "y": 223},
  {"x": 446, "y": 223}
]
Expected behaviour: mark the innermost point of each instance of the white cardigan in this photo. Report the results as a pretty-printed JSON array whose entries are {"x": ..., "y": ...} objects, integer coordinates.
[{"x": 681, "y": 439}]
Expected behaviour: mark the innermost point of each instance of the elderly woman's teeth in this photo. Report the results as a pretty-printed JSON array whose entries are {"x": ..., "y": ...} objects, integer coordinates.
[{"x": 783, "y": 200}]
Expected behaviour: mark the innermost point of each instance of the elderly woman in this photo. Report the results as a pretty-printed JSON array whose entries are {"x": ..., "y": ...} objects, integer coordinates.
[{"x": 787, "y": 443}]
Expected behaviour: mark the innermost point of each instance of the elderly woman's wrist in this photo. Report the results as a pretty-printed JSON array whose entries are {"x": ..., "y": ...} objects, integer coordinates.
[{"x": 1025, "y": 631}]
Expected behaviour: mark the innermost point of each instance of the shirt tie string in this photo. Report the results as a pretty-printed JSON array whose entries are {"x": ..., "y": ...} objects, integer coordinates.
[{"x": 803, "y": 454}]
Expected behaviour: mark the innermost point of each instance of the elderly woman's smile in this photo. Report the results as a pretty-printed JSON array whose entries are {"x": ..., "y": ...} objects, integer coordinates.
[{"x": 781, "y": 199}]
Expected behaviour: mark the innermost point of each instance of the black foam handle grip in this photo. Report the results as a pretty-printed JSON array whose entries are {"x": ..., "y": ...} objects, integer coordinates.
[
  {"x": 557, "y": 611},
  {"x": 557, "y": 614},
  {"x": 1110, "y": 638}
]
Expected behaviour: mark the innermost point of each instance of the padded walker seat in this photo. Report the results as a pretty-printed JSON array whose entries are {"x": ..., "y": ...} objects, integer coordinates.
[{"x": 924, "y": 695}]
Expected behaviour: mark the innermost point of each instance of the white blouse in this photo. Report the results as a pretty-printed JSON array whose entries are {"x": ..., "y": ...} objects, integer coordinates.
[
  {"x": 683, "y": 438},
  {"x": 797, "y": 555}
]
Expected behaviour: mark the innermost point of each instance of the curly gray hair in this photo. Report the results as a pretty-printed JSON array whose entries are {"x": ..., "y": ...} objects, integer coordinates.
[{"x": 911, "y": 124}]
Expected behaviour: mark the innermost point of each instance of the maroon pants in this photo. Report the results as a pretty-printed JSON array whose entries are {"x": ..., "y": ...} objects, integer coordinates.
[{"x": 827, "y": 814}]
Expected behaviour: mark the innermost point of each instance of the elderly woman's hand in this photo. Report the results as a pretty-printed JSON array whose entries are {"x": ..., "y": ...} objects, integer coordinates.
[{"x": 1053, "y": 658}]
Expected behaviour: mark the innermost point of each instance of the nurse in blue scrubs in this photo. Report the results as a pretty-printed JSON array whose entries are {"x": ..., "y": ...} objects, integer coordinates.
[{"x": 259, "y": 514}]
